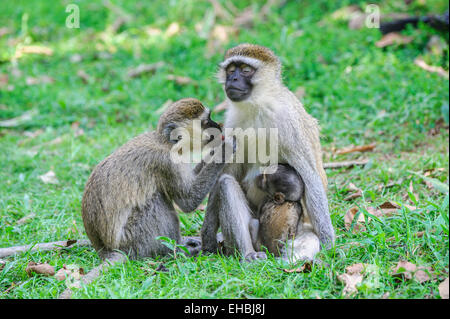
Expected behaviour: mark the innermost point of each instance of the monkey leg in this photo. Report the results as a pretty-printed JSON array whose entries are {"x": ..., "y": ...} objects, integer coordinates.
[
  {"x": 234, "y": 215},
  {"x": 303, "y": 247}
]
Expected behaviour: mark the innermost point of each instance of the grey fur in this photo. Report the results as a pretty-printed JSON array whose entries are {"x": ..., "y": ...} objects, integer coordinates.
[
  {"x": 272, "y": 105},
  {"x": 128, "y": 199}
]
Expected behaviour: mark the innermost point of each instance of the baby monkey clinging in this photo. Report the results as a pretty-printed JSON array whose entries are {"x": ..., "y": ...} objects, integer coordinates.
[{"x": 280, "y": 212}]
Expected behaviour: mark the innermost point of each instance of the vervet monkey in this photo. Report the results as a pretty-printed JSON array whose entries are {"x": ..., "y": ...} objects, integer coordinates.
[
  {"x": 280, "y": 212},
  {"x": 257, "y": 98},
  {"x": 128, "y": 199}
]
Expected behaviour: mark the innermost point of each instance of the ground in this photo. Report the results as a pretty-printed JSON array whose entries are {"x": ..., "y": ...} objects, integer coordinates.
[{"x": 80, "y": 104}]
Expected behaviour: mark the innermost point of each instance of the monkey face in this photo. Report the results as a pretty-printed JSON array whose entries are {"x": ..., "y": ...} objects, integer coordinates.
[{"x": 238, "y": 85}]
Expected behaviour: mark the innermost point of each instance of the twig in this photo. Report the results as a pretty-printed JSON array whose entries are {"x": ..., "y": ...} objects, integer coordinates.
[
  {"x": 346, "y": 163},
  {"x": 5, "y": 252}
]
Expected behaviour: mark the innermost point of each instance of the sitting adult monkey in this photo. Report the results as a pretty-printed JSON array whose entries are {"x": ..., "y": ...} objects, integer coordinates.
[{"x": 257, "y": 98}]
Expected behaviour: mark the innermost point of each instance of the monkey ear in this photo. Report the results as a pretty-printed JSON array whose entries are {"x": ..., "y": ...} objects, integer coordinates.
[
  {"x": 168, "y": 128},
  {"x": 278, "y": 198}
]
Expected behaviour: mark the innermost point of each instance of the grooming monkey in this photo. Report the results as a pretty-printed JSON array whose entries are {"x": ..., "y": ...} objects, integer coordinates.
[
  {"x": 257, "y": 98},
  {"x": 279, "y": 214},
  {"x": 128, "y": 199}
]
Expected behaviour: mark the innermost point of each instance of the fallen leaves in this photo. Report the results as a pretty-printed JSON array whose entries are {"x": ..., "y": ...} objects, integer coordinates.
[
  {"x": 25, "y": 117},
  {"x": 72, "y": 274},
  {"x": 352, "y": 278},
  {"x": 49, "y": 178},
  {"x": 430, "y": 68},
  {"x": 144, "y": 69},
  {"x": 42, "y": 79},
  {"x": 358, "y": 223},
  {"x": 393, "y": 38},
  {"x": 405, "y": 270},
  {"x": 180, "y": 80},
  {"x": 33, "y": 49},
  {"x": 305, "y": 268},
  {"x": 356, "y": 192},
  {"x": 41, "y": 269}
]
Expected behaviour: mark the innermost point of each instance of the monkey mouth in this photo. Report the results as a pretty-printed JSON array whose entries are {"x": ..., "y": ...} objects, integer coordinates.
[{"x": 236, "y": 94}]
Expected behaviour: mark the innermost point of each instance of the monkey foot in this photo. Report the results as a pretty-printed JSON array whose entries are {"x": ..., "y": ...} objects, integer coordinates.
[{"x": 255, "y": 255}]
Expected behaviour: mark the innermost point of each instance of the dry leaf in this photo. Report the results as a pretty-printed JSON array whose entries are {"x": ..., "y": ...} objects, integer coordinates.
[
  {"x": 78, "y": 131},
  {"x": 42, "y": 79},
  {"x": 350, "y": 282},
  {"x": 406, "y": 271},
  {"x": 348, "y": 219},
  {"x": 4, "y": 31},
  {"x": 42, "y": 269},
  {"x": 144, "y": 68},
  {"x": 430, "y": 68},
  {"x": 181, "y": 80},
  {"x": 305, "y": 268},
  {"x": 32, "y": 49},
  {"x": 355, "y": 268},
  {"x": 25, "y": 219},
  {"x": 83, "y": 76},
  {"x": 173, "y": 29},
  {"x": 25, "y": 117},
  {"x": 356, "y": 192},
  {"x": 69, "y": 270},
  {"x": 49, "y": 178},
  {"x": 351, "y": 149},
  {"x": 443, "y": 289},
  {"x": 393, "y": 38}
]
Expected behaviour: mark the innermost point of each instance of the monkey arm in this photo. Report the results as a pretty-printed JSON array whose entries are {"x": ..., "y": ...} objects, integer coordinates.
[
  {"x": 192, "y": 194},
  {"x": 302, "y": 159}
]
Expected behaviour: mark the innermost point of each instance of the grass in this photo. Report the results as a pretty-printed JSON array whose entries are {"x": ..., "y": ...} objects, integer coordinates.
[{"x": 360, "y": 94}]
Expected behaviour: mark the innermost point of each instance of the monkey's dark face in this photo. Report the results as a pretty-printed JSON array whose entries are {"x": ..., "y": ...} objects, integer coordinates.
[{"x": 238, "y": 85}]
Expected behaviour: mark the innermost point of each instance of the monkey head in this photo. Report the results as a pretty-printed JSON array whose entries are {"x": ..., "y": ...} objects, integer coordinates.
[
  {"x": 247, "y": 69},
  {"x": 185, "y": 119},
  {"x": 284, "y": 184}
]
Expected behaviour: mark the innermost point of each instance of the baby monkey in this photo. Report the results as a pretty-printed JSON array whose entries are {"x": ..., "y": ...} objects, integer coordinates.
[{"x": 280, "y": 211}]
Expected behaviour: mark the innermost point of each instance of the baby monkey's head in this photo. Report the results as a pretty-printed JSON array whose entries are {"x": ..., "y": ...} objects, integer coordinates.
[
  {"x": 283, "y": 185},
  {"x": 187, "y": 119}
]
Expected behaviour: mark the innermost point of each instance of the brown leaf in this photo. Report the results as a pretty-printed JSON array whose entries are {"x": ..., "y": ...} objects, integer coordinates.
[
  {"x": 430, "y": 68},
  {"x": 393, "y": 38},
  {"x": 305, "y": 268},
  {"x": 443, "y": 289},
  {"x": 25, "y": 117},
  {"x": 350, "y": 282},
  {"x": 348, "y": 219},
  {"x": 84, "y": 76},
  {"x": 73, "y": 271},
  {"x": 356, "y": 192},
  {"x": 4, "y": 31},
  {"x": 355, "y": 269},
  {"x": 407, "y": 271},
  {"x": 144, "y": 68},
  {"x": 33, "y": 49},
  {"x": 352, "y": 149},
  {"x": 42, "y": 79},
  {"x": 173, "y": 29},
  {"x": 181, "y": 80},
  {"x": 25, "y": 219},
  {"x": 42, "y": 269},
  {"x": 78, "y": 131},
  {"x": 49, "y": 178}
]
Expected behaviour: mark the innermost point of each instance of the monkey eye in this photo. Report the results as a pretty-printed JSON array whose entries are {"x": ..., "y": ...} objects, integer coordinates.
[
  {"x": 231, "y": 69},
  {"x": 247, "y": 70}
]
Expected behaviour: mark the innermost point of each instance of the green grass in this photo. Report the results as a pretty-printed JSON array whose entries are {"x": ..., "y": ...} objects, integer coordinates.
[{"x": 359, "y": 93}]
